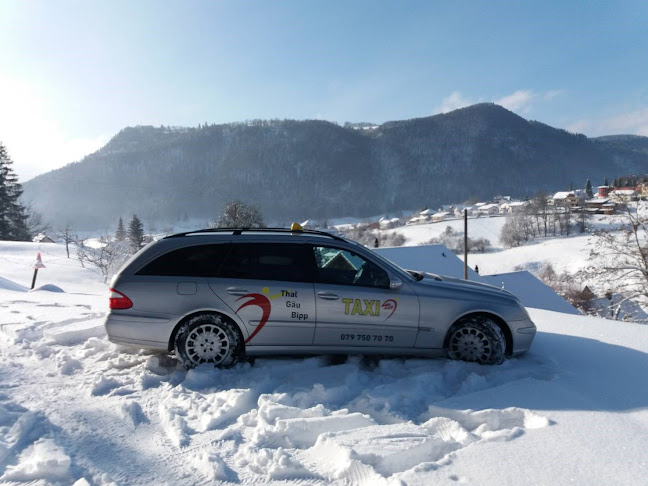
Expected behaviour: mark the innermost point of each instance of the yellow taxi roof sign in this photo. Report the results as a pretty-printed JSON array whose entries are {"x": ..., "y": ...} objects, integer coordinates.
[{"x": 296, "y": 227}]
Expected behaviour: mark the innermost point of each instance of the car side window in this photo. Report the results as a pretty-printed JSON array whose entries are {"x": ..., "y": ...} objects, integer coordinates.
[
  {"x": 191, "y": 261},
  {"x": 344, "y": 267},
  {"x": 269, "y": 261}
]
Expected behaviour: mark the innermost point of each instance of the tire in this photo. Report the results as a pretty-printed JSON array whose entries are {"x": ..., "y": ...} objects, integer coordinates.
[
  {"x": 477, "y": 339},
  {"x": 208, "y": 338}
]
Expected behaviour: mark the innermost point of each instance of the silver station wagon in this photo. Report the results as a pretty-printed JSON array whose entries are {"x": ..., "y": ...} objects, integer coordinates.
[{"x": 219, "y": 295}]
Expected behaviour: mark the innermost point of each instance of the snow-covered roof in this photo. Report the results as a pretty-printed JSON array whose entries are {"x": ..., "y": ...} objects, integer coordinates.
[
  {"x": 488, "y": 206},
  {"x": 428, "y": 258},
  {"x": 518, "y": 203},
  {"x": 426, "y": 212},
  {"x": 625, "y": 192},
  {"x": 564, "y": 195},
  {"x": 442, "y": 214},
  {"x": 42, "y": 238},
  {"x": 531, "y": 291}
]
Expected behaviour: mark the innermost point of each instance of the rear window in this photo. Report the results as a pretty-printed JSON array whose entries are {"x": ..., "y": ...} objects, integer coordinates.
[
  {"x": 191, "y": 261},
  {"x": 263, "y": 261}
]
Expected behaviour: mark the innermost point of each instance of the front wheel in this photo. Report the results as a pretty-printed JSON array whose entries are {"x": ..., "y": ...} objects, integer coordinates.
[
  {"x": 208, "y": 338},
  {"x": 476, "y": 339}
]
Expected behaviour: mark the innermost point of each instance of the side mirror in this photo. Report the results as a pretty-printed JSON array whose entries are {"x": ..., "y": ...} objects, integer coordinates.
[{"x": 395, "y": 283}]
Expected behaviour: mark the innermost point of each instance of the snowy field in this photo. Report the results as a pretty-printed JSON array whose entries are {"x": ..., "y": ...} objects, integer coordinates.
[
  {"x": 76, "y": 409},
  {"x": 566, "y": 254}
]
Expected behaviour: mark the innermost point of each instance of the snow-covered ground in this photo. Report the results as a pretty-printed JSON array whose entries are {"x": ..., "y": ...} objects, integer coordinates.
[
  {"x": 566, "y": 254},
  {"x": 76, "y": 409}
]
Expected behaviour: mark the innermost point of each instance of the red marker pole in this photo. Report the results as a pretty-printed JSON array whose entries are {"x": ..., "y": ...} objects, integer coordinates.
[{"x": 38, "y": 264}]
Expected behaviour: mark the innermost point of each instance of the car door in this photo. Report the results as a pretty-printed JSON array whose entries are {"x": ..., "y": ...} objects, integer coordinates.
[
  {"x": 269, "y": 286},
  {"x": 357, "y": 307}
]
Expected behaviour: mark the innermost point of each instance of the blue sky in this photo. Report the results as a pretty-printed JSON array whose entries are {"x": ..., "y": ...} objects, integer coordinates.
[{"x": 74, "y": 73}]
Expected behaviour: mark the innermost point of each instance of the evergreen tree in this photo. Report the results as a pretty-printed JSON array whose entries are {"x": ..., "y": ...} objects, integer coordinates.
[
  {"x": 588, "y": 189},
  {"x": 136, "y": 233},
  {"x": 571, "y": 186},
  {"x": 13, "y": 217},
  {"x": 605, "y": 182},
  {"x": 120, "y": 234}
]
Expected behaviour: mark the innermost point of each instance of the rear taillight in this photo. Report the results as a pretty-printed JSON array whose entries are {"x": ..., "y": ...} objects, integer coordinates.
[{"x": 119, "y": 300}]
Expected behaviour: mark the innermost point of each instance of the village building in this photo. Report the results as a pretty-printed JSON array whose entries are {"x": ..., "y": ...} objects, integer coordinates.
[
  {"x": 514, "y": 207},
  {"x": 604, "y": 191},
  {"x": 644, "y": 191},
  {"x": 448, "y": 208},
  {"x": 599, "y": 205},
  {"x": 442, "y": 216},
  {"x": 42, "y": 238},
  {"x": 625, "y": 194},
  {"x": 417, "y": 220},
  {"x": 389, "y": 223},
  {"x": 565, "y": 198},
  {"x": 489, "y": 209}
]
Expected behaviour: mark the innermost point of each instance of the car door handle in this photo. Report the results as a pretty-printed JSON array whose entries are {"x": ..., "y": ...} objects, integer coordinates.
[
  {"x": 328, "y": 295},
  {"x": 236, "y": 291}
]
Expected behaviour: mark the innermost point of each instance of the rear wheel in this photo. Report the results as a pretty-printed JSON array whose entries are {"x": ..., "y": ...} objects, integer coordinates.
[
  {"x": 477, "y": 339},
  {"x": 208, "y": 338}
]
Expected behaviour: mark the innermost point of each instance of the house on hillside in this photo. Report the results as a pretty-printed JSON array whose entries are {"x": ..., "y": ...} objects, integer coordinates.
[
  {"x": 603, "y": 191},
  {"x": 446, "y": 208},
  {"x": 599, "y": 205},
  {"x": 644, "y": 192},
  {"x": 389, "y": 223},
  {"x": 625, "y": 194},
  {"x": 416, "y": 220},
  {"x": 513, "y": 207},
  {"x": 565, "y": 199},
  {"x": 42, "y": 238},
  {"x": 441, "y": 216},
  {"x": 460, "y": 208},
  {"x": 489, "y": 209}
]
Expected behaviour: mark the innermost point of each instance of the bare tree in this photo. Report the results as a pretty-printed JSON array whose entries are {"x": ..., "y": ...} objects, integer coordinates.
[
  {"x": 542, "y": 210},
  {"x": 564, "y": 218},
  {"x": 108, "y": 255},
  {"x": 238, "y": 214},
  {"x": 620, "y": 257},
  {"x": 582, "y": 219},
  {"x": 67, "y": 235},
  {"x": 518, "y": 228},
  {"x": 34, "y": 221}
]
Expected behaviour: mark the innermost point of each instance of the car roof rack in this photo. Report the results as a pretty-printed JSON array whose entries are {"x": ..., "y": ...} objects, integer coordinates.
[{"x": 238, "y": 231}]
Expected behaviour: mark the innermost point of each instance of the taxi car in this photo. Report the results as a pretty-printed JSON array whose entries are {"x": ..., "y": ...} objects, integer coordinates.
[{"x": 219, "y": 295}]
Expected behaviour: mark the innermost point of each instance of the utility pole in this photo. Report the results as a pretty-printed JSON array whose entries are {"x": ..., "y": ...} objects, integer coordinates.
[{"x": 465, "y": 244}]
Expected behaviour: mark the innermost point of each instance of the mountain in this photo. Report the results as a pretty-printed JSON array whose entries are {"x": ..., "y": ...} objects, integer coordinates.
[{"x": 294, "y": 170}]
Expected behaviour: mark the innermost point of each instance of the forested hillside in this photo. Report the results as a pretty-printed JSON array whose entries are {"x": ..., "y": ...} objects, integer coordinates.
[{"x": 312, "y": 169}]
